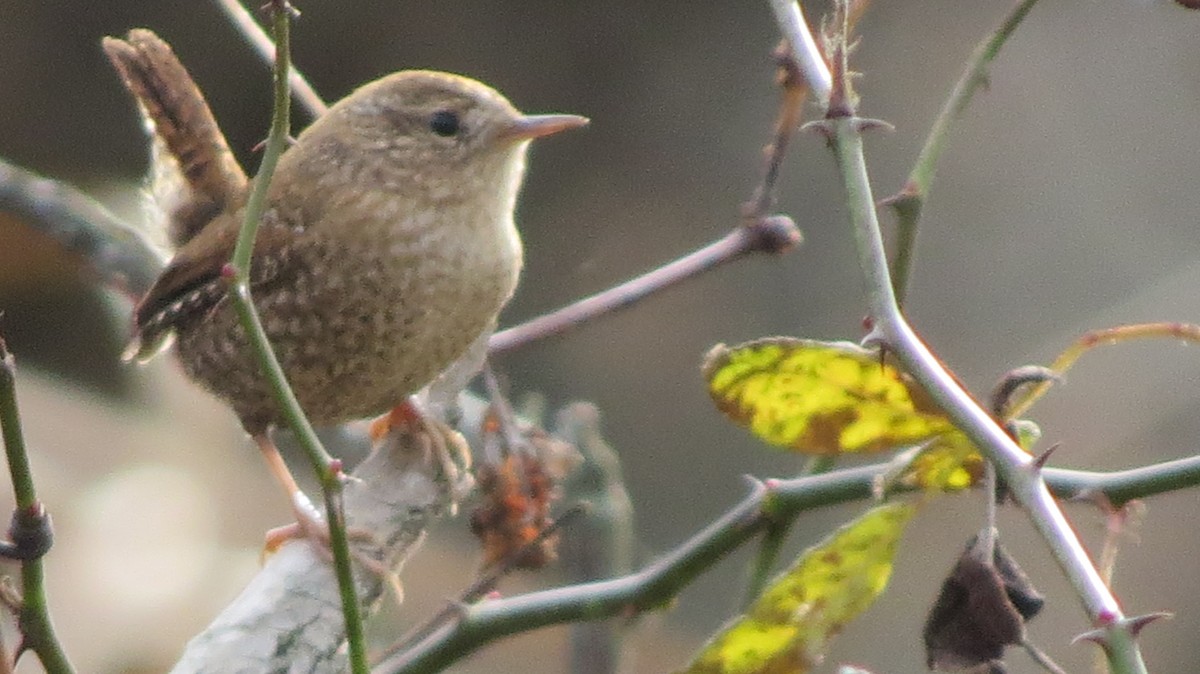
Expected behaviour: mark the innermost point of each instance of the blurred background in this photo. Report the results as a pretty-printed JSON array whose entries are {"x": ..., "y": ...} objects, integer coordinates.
[{"x": 1067, "y": 201}]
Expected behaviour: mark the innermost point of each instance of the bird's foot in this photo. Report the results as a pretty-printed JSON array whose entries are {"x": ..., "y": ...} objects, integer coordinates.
[
  {"x": 311, "y": 526},
  {"x": 438, "y": 442}
]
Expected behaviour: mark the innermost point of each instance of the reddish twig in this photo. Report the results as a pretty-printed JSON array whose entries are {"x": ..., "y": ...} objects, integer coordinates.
[{"x": 775, "y": 234}]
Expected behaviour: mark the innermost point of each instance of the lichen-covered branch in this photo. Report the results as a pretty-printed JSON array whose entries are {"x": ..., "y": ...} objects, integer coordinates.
[{"x": 289, "y": 618}]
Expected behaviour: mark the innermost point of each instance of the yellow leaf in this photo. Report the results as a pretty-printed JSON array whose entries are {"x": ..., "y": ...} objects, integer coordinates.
[
  {"x": 950, "y": 463},
  {"x": 788, "y": 630},
  {"x": 820, "y": 397}
]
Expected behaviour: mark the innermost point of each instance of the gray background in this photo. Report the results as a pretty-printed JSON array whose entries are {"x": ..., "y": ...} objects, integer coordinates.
[{"x": 1067, "y": 201}]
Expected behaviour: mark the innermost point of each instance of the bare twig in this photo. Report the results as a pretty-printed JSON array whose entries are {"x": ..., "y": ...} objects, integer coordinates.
[
  {"x": 121, "y": 256},
  {"x": 774, "y": 234},
  {"x": 1185, "y": 332},
  {"x": 257, "y": 37},
  {"x": 787, "y": 120},
  {"x": 1044, "y": 661},
  {"x": 506, "y": 416}
]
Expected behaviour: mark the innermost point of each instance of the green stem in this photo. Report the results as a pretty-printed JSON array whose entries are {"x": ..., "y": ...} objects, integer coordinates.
[
  {"x": 327, "y": 469},
  {"x": 36, "y": 625},
  {"x": 1121, "y": 649},
  {"x": 773, "y": 538},
  {"x": 276, "y": 143},
  {"x": 1122, "y": 486},
  {"x": 14, "y": 441},
  {"x": 37, "y": 629},
  {"x": 657, "y": 584},
  {"x": 764, "y": 562},
  {"x": 909, "y": 202}
]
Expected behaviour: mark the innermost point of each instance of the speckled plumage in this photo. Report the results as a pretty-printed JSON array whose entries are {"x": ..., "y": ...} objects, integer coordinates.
[{"x": 385, "y": 250}]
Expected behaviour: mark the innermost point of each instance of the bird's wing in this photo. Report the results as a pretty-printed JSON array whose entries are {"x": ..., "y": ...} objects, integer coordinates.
[{"x": 193, "y": 281}]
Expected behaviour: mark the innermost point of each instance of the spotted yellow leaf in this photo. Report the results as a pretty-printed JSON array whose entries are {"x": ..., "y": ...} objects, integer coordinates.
[
  {"x": 949, "y": 463},
  {"x": 789, "y": 628},
  {"x": 952, "y": 463},
  {"x": 820, "y": 397}
]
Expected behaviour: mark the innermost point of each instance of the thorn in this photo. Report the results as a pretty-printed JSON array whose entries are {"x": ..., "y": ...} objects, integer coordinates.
[
  {"x": 863, "y": 124},
  {"x": 757, "y": 486},
  {"x": 280, "y": 6},
  {"x": 258, "y": 147},
  {"x": 228, "y": 271},
  {"x": 1133, "y": 625},
  {"x": 1039, "y": 462},
  {"x": 1095, "y": 636},
  {"x": 1136, "y": 623},
  {"x": 874, "y": 339},
  {"x": 823, "y": 127},
  {"x": 879, "y": 485},
  {"x": 337, "y": 471},
  {"x": 907, "y": 192}
]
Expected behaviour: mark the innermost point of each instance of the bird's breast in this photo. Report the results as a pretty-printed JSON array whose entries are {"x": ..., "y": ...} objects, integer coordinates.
[{"x": 395, "y": 303}]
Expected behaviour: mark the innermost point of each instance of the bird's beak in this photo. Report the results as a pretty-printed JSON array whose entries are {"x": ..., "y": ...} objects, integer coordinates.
[{"x": 536, "y": 126}]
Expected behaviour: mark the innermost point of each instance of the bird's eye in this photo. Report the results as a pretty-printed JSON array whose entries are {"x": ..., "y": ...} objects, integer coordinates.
[{"x": 445, "y": 123}]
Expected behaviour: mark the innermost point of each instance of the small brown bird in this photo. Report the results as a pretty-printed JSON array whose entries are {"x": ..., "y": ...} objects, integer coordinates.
[{"x": 387, "y": 246}]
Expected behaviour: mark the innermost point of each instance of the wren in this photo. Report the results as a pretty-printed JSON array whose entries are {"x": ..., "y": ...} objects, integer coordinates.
[{"x": 387, "y": 246}]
